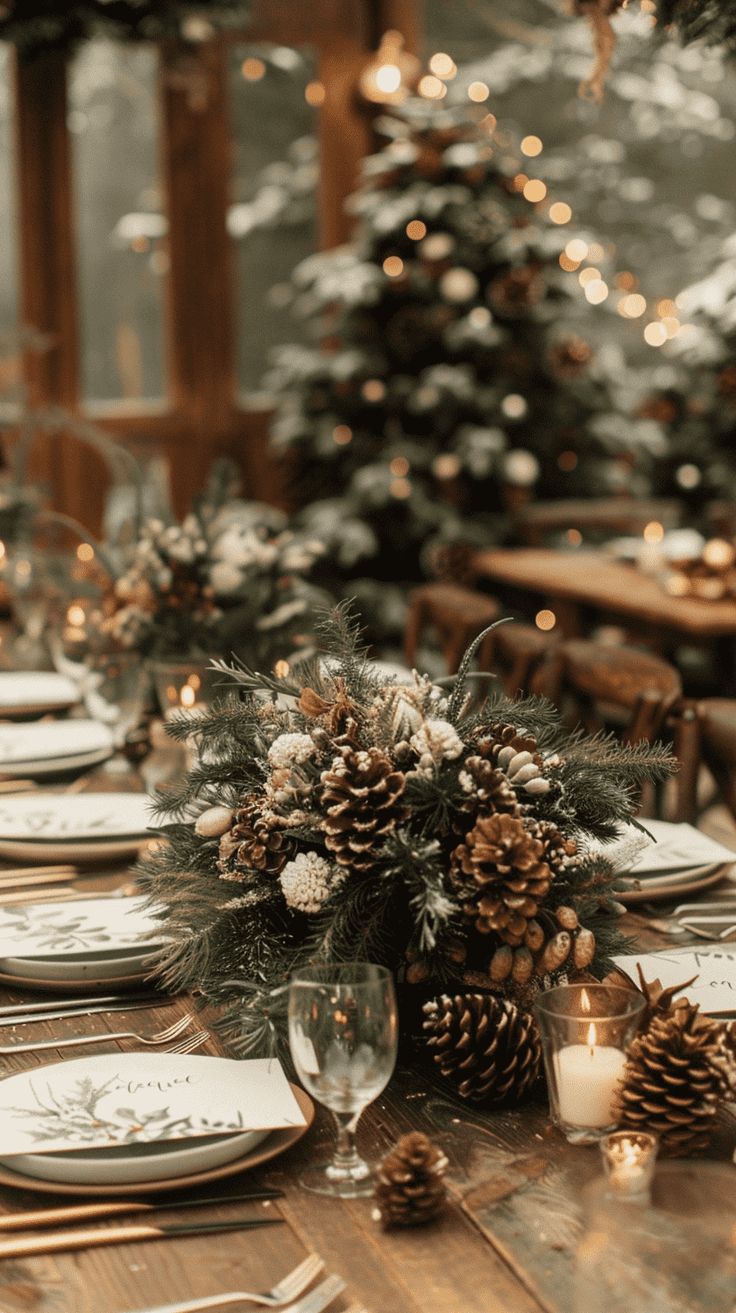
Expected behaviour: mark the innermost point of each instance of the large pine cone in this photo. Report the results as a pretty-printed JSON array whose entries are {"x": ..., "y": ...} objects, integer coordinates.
[
  {"x": 677, "y": 1074},
  {"x": 501, "y": 873},
  {"x": 486, "y": 1046},
  {"x": 409, "y": 1187},
  {"x": 361, "y": 801},
  {"x": 254, "y": 842}
]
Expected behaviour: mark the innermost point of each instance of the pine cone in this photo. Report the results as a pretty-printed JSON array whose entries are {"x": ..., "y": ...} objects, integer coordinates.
[
  {"x": 678, "y": 1072},
  {"x": 517, "y": 755},
  {"x": 361, "y": 804},
  {"x": 409, "y": 1187},
  {"x": 501, "y": 873},
  {"x": 486, "y": 1046},
  {"x": 491, "y": 790},
  {"x": 255, "y": 842}
]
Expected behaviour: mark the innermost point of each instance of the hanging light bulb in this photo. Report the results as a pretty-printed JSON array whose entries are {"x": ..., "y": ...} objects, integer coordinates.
[{"x": 391, "y": 73}]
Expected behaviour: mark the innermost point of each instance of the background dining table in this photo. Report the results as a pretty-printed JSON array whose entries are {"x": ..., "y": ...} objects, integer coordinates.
[
  {"x": 505, "y": 1242},
  {"x": 584, "y": 587}
]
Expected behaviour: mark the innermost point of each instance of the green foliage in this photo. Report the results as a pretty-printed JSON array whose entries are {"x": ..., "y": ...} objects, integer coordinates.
[
  {"x": 35, "y": 26},
  {"x": 281, "y": 887},
  {"x": 710, "y": 20}
]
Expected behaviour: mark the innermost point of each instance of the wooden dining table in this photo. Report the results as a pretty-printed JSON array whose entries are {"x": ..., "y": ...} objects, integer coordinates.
[
  {"x": 584, "y": 587},
  {"x": 504, "y": 1244}
]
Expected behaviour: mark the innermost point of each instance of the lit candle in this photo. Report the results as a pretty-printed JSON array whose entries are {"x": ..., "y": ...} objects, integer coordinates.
[
  {"x": 587, "y": 1078},
  {"x": 629, "y": 1158}
]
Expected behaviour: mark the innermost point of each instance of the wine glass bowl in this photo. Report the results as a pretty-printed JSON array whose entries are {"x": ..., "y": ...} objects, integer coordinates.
[{"x": 343, "y": 1036}]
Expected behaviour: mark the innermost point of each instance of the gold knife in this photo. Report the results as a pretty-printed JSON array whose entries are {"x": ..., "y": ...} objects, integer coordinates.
[
  {"x": 32, "y": 1218},
  {"x": 90, "y": 1237}
]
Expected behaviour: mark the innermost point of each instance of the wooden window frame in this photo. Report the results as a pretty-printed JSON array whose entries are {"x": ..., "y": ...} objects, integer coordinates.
[{"x": 202, "y": 415}]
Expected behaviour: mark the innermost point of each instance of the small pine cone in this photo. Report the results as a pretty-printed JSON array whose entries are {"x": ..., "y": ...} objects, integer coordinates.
[
  {"x": 409, "y": 1188},
  {"x": 556, "y": 953},
  {"x": 534, "y": 937},
  {"x": 523, "y": 966},
  {"x": 516, "y": 754},
  {"x": 255, "y": 842},
  {"x": 567, "y": 918},
  {"x": 502, "y": 964},
  {"x": 486, "y": 1046},
  {"x": 677, "y": 1074},
  {"x": 361, "y": 802},
  {"x": 501, "y": 875},
  {"x": 488, "y": 789}
]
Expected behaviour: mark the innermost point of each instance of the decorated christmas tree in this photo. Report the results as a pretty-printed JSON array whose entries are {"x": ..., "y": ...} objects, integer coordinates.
[{"x": 453, "y": 369}]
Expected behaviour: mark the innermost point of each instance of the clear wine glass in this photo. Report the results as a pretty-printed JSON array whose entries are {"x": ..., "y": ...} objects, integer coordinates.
[
  {"x": 114, "y": 688},
  {"x": 343, "y": 1035}
]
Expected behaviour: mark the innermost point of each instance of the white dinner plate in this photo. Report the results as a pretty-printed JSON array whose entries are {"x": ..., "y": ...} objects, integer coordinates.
[
  {"x": 136, "y": 1163},
  {"x": 57, "y": 766},
  {"x": 87, "y": 827},
  {"x": 53, "y": 740},
  {"x": 35, "y": 692},
  {"x": 90, "y": 967}
]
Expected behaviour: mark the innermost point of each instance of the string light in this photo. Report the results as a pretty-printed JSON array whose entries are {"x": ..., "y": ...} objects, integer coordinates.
[
  {"x": 560, "y": 212},
  {"x": 576, "y": 249},
  {"x": 253, "y": 69},
  {"x": 400, "y": 488},
  {"x": 633, "y": 306},
  {"x": 282, "y": 669},
  {"x": 399, "y": 466},
  {"x": 535, "y": 190},
  {"x": 391, "y": 73},
  {"x": 588, "y": 276},
  {"x": 446, "y": 465},
  {"x": 531, "y": 146},
  {"x": 653, "y": 532},
  {"x": 478, "y": 92},
  {"x": 393, "y": 266},
  {"x": 596, "y": 291},
  {"x": 442, "y": 65},
  {"x": 431, "y": 87},
  {"x": 574, "y": 537},
  {"x": 85, "y": 552},
  {"x": 315, "y": 94},
  {"x": 596, "y": 251},
  {"x": 655, "y": 334},
  {"x": 667, "y": 308},
  {"x": 545, "y": 620},
  {"x": 514, "y": 406},
  {"x": 567, "y": 264},
  {"x": 416, "y": 230},
  {"x": 342, "y": 435},
  {"x": 373, "y": 389}
]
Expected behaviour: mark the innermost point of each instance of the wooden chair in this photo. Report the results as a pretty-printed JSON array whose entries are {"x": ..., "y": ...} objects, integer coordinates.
[
  {"x": 712, "y": 743},
  {"x": 455, "y": 614},
  {"x": 603, "y": 686},
  {"x": 595, "y": 519},
  {"x": 515, "y": 652}
]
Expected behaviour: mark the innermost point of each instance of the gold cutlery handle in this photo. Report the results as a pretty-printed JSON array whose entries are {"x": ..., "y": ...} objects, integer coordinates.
[
  {"x": 76, "y": 1041},
  {"x": 82, "y": 1238},
  {"x": 26, "y": 1221}
]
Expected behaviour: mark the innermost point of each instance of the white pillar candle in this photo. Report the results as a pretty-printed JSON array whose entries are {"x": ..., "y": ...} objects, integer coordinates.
[{"x": 587, "y": 1079}]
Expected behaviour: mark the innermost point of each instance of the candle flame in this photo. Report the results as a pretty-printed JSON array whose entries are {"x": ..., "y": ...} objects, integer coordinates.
[
  {"x": 187, "y": 696},
  {"x": 592, "y": 1037},
  {"x": 584, "y": 1000}
]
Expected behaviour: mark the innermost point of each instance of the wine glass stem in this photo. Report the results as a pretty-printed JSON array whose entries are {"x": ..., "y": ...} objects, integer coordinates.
[{"x": 346, "y": 1155}]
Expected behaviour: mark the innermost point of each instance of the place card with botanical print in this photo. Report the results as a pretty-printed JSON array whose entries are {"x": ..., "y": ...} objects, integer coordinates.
[
  {"x": 714, "y": 969},
  {"x": 77, "y": 926},
  {"x": 141, "y": 1098}
]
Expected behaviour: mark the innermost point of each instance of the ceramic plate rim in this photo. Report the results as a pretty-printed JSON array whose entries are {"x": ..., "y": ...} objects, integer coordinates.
[
  {"x": 665, "y": 891},
  {"x": 136, "y": 961},
  {"x": 34, "y": 852},
  {"x": 11, "y": 830},
  {"x": 56, "y": 765},
  {"x": 276, "y": 1143},
  {"x": 227, "y": 1143}
]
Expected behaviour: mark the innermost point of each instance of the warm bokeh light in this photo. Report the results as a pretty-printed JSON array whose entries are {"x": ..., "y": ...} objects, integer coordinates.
[
  {"x": 655, "y": 334},
  {"x": 400, "y": 488},
  {"x": 588, "y": 276},
  {"x": 393, "y": 265},
  {"x": 560, "y": 212},
  {"x": 688, "y": 476},
  {"x": 373, "y": 390},
  {"x": 315, "y": 93},
  {"x": 342, "y": 435},
  {"x": 478, "y": 91},
  {"x": 480, "y": 316},
  {"x": 666, "y": 308},
  {"x": 76, "y": 615},
  {"x": 633, "y": 306},
  {"x": 532, "y": 146},
  {"x": 431, "y": 88},
  {"x": 596, "y": 291},
  {"x": 416, "y": 230},
  {"x": 567, "y": 461},
  {"x": 626, "y": 281},
  {"x": 596, "y": 251},
  {"x": 719, "y": 554},
  {"x": 653, "y": 532},
  {"x": 519, "y": 181},
  {"x": 535, "y": 190},
  {"x": 567, "y": 264},
  {"x": 442, "y": 65},
  {"x": 514, "y": 406},
  {"x": 399, "y": 467},
  {"x": 574, "y": 537},
  {"x": 545, "y": 619},
  {"x": 576, "y": 249},
  {"x": 282, "y": 669},
  {"x": 446, "y": 465},
  {"x": 253, "y": 69},
  {"x": 388, "y": 78},
  {"x": 85, "y": 552},
  {"x": 671, "y": 325}
]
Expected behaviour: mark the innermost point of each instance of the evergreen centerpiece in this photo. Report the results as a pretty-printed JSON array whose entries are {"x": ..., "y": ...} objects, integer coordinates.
[
  {"x": 346, "y": 816},
  {"x": 223, "y": 581}
]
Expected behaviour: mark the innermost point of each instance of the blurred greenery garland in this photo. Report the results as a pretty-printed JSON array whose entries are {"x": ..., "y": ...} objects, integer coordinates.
[
  {"x": 713, "y": 21},
  {"x": 35, "y": 26}
]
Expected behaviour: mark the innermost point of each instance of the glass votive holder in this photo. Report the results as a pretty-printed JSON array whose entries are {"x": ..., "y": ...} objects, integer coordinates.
[
  {"x": 183, "y": 685},
  {"x": 629, "y": 1159},
  {"x": 585, "y": 1031}
]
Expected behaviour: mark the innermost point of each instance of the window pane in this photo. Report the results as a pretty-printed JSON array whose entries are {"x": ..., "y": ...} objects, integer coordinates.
[
  {"x": 273, "y": 215},
  {"x": 8, "y": 250},
  {"x": 121, "y": 226}
]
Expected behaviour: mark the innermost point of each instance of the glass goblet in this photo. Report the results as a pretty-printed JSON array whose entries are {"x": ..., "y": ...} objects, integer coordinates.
[
  {"x": 113, "y": 689},
  {"x": 343, "y": 1035}
]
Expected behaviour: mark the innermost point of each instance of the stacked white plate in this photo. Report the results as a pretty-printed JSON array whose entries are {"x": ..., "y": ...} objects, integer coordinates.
[
  {"x": 53, "y": 747},
  {"x": 681, "y": 860},
  {"x": 88, "y": 827},
  {"x": 34, "y": 693},
  {"x": 82, "y": 942}
]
